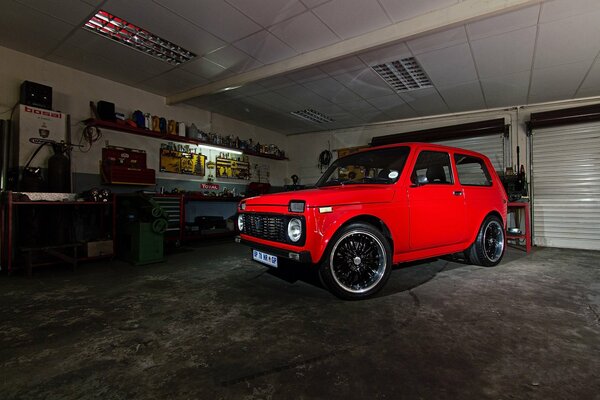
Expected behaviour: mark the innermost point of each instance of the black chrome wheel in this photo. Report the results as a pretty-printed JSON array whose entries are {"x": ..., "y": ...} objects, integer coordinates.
[
  {"x": 493, "y": 241},
  {"x": 488, "y": 248},
  {"x": 358, "y": 263}
]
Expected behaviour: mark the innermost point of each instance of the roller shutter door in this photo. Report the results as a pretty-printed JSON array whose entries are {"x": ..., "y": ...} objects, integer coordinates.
[
  {"x": 490, "y": 145},
  {"x": 566, "y": 186}
]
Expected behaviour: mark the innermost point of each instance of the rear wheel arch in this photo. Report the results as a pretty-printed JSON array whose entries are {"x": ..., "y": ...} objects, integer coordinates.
[{"x": 476, "y": 252}]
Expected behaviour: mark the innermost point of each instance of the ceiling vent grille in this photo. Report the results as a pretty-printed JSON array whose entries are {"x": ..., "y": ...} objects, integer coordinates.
[
  {"x": 403, "y": 75},
  {"x": 121, "y": 31},
  {"x": 312, "y": 115}
]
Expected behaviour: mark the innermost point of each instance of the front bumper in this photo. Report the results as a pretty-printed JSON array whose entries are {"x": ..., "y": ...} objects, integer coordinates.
[{"x": 298, "y": 256}]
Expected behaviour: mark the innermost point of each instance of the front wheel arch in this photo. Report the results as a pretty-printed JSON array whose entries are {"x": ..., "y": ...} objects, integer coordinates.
[
  {"x": 364, "y": 218},
  {"x": 357, "y": 262}
]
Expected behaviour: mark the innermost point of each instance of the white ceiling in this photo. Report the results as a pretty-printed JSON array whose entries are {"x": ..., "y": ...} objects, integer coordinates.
[{"x": 548, "y": 51}]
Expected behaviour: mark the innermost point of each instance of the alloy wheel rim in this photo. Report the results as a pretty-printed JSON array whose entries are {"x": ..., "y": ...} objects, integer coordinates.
[
  {"x": 493, "y": 241},
  {"x": 358, "y": 261}
]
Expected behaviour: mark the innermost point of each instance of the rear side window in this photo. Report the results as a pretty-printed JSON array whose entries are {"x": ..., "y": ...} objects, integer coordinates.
[
  {"x": 433, "y": 165},
  {"x": 472, "y": 171}
]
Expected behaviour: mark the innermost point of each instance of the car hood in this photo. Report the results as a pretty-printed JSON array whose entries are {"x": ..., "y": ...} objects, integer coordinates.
[{"x": 328, "y": 196}]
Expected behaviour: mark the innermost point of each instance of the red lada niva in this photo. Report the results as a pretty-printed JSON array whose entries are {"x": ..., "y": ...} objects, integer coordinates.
[{"x": 378, "y": 207}]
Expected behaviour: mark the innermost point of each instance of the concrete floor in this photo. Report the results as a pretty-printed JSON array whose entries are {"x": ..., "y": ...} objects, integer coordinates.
[{"x": 211, "y": 324}]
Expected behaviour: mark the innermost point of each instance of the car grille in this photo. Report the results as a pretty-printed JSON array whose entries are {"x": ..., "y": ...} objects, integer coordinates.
[{"x": 269, "y": 227}]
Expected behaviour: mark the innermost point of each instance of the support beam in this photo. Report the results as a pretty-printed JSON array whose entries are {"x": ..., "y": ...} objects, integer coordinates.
[{"x": 459, "y": 14}]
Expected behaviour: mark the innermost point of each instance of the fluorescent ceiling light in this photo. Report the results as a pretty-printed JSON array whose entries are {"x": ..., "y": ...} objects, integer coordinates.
[
  {"x": 225, "y": 149},
  {"x": 121, "y": 31},
  {"x": 403, "y": 75},
  {"x": 312, "y": 115}
]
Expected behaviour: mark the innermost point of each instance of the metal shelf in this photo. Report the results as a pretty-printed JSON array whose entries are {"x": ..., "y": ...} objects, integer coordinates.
[{"x": 124, "y": 127}]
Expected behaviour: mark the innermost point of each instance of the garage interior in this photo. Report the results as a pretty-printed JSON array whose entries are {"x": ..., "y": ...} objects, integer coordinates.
[{"x": 132, "y": 129}]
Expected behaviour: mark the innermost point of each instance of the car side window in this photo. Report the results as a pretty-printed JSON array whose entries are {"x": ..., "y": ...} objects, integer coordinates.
[
  {"x": 472, "y": 171},
  {"x": 433, "y": 165}
]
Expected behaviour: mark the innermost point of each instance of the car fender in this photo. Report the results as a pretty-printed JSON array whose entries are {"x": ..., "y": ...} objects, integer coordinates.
[{"x": 327, "y": 224}]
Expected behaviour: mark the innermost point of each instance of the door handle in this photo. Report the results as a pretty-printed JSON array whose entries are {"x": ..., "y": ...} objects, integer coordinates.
[{"x": 457, "y": 193}]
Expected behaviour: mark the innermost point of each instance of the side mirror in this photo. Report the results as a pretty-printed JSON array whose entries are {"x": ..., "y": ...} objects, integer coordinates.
[{"x": 421, "y": 180}]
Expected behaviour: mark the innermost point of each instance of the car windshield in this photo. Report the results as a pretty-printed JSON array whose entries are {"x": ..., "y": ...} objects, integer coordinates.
[{"x": 382, "y": 166}]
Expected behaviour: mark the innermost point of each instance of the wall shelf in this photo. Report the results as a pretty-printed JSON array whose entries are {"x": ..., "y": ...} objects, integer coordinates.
[{"x": 124, "y": 127}]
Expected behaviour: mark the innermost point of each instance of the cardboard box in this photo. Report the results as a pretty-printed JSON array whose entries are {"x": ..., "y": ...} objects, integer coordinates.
[{"x": 99, "y": 248}]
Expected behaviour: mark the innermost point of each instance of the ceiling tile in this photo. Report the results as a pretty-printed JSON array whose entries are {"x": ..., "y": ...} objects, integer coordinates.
[
  {"x": 331, "y": 109},
  {"x": 385, "y": 54},
  {"x": 268, "y": 12},
  {"x": 304, "y": 33},
  {"x": 449, "y": 66},
  {"x": 366, "y": 83},
  {"x": 592, "y": 80},
  {"x": 278, "y": 102},
  {"x": 307, "y": 75},
  {"x": 332, "y": 90},
  {"x": 438, "y": 40},
  {"x": 425, "y": 101},
  {"x": 463, "y": 97},
  {"x": 276, "y": 82},
  {"x": 73, "y": 12},
  {"x": 568, "y": 40},
  {"x": 205, "y": 68},
  {"x": 587, "y": 92},
  {"x": 503, "y": 23},
  {"x": 506, "y": 90},
  {"x": 491, "y": 53},
  {"x": 559, "y": 9},
  {"x": 557, "y": 83},
  {"x": 233, "y": 59},
  {"x": 37, "y": 37},
  {"x": 215, "y": 16},
  {"x": 360, "y": 106},
  {"x": 161, "y": 21},
  {"x": 129, "y": 61},
  {"x": 303, "y": 96},
  {"x": 172, "y": 82},
  {"x": 401, "y": 111},
  {"x": 350, "y": 18},
  {"x": 92, "y": 63},
  {"x": 407, "y": 9},
  {"x": 313, "y": 3},
  {"x": 386, "y": 102},
  {"x": 247, "y": 90},
  {"x": 265, "y": 47},
  {"x": 342, "y": 65}
]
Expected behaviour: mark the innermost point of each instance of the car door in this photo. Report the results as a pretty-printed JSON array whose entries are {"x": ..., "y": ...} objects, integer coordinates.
[
  {"x": 436, "y": 203},
  {"x": 477, "y": 185}
]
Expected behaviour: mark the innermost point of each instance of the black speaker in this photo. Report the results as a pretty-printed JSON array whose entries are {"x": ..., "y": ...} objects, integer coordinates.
[
  {"x": 36, "y": 95},
  {"x": 106, "y": 110}
]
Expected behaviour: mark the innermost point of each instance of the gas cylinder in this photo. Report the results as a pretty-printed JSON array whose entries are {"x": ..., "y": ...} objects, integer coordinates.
[{"x": 59, "y": 171}]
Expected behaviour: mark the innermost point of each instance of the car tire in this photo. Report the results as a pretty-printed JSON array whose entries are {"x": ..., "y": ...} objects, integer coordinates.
[
  {"x": 357, "y": 263},
  {"x": 488, "y": 248}
]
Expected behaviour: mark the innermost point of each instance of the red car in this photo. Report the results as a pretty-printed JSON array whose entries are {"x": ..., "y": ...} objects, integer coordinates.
[{"x": 378, "y": 207}]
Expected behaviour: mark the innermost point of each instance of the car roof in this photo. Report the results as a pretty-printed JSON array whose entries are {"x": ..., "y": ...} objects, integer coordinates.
[{"x": 421, "y": 145}]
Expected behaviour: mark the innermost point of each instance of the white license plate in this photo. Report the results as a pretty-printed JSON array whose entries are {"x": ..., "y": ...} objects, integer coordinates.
[{"x": 264, "y": 258}]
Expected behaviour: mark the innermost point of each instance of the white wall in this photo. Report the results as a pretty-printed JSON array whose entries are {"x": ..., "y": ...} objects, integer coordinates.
[{"x": 73, "y": 90}]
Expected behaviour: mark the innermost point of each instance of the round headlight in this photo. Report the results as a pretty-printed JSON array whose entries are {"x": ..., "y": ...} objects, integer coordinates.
[
  {"x": 295, "y": 229},
  {"x": 241, "y": 222}
]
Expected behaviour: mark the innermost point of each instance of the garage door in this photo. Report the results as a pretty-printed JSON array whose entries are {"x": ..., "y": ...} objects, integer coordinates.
[
  {"x": 566, "y": 186},
  {"x": 490, "y": 145}
]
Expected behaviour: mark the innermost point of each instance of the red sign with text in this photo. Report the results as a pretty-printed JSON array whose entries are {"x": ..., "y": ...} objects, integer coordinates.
[{"x": 209, "y": 186}]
